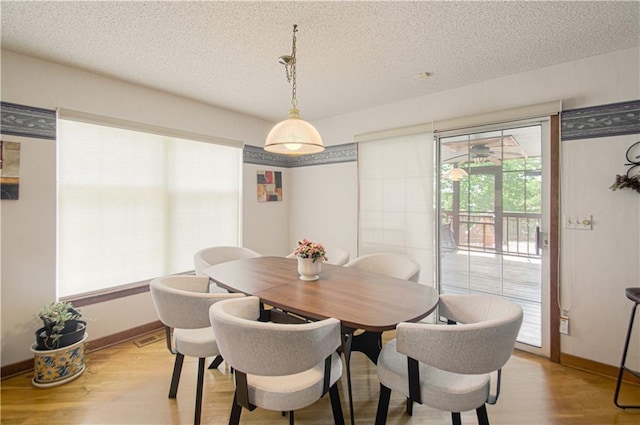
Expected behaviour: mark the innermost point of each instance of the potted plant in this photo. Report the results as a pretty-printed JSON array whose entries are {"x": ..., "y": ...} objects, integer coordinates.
[
  {"x": 59, "y": 346},
  {"x": 310, "y": 257}
]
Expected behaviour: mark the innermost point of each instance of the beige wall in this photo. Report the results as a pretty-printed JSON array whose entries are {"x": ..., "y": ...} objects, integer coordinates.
[{"x": 597, "y": 266}]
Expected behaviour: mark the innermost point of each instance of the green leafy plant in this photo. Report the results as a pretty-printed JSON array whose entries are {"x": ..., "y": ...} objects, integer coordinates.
[{"x": 58, "y": 318}]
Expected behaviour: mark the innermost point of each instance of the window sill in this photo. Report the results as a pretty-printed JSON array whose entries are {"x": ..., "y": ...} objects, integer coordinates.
[{"x": 113, "y": 293}]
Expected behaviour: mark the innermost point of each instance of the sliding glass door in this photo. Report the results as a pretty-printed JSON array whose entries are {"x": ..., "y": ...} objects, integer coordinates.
[{"x": 492, "y": 211}]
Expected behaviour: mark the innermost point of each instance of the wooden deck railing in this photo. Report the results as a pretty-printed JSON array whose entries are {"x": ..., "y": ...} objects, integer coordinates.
[{"x": 519, "y": 233}]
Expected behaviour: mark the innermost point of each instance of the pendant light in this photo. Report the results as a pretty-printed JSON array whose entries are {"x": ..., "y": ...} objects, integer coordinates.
[
  {"x": 293, "y": 136},
  {"x": 455, "y": 174}
]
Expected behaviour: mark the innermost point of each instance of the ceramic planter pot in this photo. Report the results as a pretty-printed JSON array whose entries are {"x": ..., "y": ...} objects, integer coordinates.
[{"x": 56, "y": 367}]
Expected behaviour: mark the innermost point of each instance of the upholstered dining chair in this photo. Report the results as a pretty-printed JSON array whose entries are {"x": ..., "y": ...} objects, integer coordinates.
[
  {"x": 182, "y": 303},
  {"x": 338, "y": 256},
  {"x": 219, "y": 254},
  {"x": 281, "y": 367},
  {"x": 394, "y": 265},
  {"x": 449, "y": 367}
]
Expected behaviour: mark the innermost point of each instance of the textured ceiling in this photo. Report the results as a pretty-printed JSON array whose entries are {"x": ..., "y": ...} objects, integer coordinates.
[{"x": 351, "y": 55}]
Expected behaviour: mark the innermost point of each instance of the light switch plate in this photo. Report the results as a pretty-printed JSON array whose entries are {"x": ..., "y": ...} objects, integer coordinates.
[{"x": 576, "y": 221}]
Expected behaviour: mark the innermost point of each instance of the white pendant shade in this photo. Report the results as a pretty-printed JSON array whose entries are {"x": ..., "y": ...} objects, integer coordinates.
[
  {"x": 455, "y": 174},
  {"x": 294, "y": 136}
]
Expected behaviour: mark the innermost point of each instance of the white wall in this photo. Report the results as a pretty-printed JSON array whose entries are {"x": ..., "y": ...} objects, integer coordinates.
[
  {"x": 266, "y": 224},
  {"x": 29, "y": 224},
  {"x": 598, "y": 265},
  {"x": 325, "y": 206}
]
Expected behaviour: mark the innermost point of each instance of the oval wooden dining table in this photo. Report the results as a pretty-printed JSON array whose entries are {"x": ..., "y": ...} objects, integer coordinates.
[{"x": 361, "y": 300}]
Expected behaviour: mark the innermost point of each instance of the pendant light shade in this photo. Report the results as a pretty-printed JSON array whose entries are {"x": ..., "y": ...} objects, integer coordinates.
[
  {"x": 455, "y": 174},
  {"x": 293, "y": 136}
]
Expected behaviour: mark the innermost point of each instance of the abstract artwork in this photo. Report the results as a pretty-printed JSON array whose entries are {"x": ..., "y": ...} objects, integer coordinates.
[
  {"x": 9, "y": 170},
  {"x": 269, "y": 186}
]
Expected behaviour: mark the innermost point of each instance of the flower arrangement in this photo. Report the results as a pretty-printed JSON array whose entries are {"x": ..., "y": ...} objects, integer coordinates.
[
  {"x": 625, "y": 181},
  {"x": 308, "y": 249}
]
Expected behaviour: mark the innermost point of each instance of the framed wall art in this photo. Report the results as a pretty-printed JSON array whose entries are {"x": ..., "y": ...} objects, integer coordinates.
[
  {"x": 9, "y": 170},
  {"x": 269, "y": 186}
]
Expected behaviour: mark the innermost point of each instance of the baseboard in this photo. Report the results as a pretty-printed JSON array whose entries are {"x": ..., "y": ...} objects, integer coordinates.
[
  {"x": 596, "y": 367},
  {"x": 92, "y": 345}
]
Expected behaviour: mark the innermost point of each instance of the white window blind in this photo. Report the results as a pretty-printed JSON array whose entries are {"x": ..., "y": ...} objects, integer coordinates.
[
  {"x": 396, "y": 197},
  {"x": 134, "y": 205}
]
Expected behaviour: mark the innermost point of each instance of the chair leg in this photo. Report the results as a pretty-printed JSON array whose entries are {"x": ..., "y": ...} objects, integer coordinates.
[
  {"x": 455, "y": 418},
  {"x": 199, "y": 385},
  {"x": 175, "y": 378},
  {"x": 383, "y": 405},
  {"x": 291, "y": 417},
  {"x": 336, "y": 406},
  {"x": 623, "y": 367},
  {"x": 481, "y": 412},
  {"x": 236, "y": 410},
  {"x": 216, "y": 362},
  {"x": 409, "y": 407}
]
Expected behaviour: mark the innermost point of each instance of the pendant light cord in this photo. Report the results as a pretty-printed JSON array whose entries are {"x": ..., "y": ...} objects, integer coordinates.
[{"x": 290, "y": 69}]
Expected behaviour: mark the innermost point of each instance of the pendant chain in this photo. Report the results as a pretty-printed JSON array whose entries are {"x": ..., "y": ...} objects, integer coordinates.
[{"x": 290, "y": 69}]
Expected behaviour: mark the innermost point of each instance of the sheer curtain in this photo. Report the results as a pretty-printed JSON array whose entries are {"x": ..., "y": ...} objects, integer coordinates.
[
  {"x": 133, "y": 205},
  {"x": 396, "y": 207}
]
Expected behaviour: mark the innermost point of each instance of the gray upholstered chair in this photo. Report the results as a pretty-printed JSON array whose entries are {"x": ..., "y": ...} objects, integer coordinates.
[
  {"x": 394, "y": 265},
  {"x": 338, "y": 256},
  {"x": 219, "y": 254},
  {"x": 281, "y": 367},
  {"x": 449, "y": 367},
  {"x": 182, "y": 303}
]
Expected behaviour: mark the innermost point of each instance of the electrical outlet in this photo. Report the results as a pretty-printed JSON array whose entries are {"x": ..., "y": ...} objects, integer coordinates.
[
  {"x": 564, "y": 325},
  {"x": 579, "y": 222}
]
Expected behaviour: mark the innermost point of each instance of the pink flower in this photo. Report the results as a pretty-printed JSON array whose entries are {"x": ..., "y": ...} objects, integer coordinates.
[{"x": 308, "y": 249}]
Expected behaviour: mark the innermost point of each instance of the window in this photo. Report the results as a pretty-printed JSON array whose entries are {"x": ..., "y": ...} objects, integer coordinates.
[{"x": 134, "y": 205}]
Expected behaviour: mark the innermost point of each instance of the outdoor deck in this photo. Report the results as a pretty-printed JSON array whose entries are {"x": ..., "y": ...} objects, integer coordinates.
[{"x": 518, "y": 279}]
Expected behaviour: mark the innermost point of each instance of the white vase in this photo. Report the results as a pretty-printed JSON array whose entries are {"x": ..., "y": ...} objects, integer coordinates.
[{"x": 309, "y": 270}]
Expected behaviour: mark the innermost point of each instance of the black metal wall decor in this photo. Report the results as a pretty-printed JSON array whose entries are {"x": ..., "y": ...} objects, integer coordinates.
[{"x": 631, "y": 178}]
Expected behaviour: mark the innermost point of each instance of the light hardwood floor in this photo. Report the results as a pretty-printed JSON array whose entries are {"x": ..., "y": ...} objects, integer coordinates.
[{"x": 127, "y": 384}]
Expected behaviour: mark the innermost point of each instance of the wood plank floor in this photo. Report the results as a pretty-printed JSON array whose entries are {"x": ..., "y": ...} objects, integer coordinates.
[{"x": 127, "y": 384}]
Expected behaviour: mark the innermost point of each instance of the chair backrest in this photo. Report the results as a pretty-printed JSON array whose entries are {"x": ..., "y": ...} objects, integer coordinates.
[
  {"x": 395, "y": 265},
  {"x": 481, "y": 342},
  {"x": 219, "y": 254},
  {"x": 182, "y": 301},
  {"x": 338, "y": 256},
  {"x": 270, "y": 349}
]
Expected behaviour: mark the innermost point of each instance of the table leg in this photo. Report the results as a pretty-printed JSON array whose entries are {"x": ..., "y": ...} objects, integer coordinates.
[
  {"x": 348, "y": 340},
  {"x": 369, "y": 343}
]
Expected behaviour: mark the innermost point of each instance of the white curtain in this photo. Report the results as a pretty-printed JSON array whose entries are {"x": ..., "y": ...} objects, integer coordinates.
[
  {"x": 396, "y": 205},
  {"x": 133, "y": 205}
]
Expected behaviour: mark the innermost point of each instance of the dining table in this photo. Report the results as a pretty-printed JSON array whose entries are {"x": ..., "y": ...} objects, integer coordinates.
[{"x": 366, "y": 303}]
